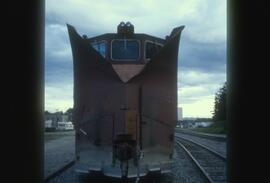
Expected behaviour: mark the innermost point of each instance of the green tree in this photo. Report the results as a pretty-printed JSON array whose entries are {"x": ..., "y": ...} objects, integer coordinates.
[
  {"x": 219, "y": 113},
  {"x": 69, "y": 113},
  {"x": 47, "y": 112}
]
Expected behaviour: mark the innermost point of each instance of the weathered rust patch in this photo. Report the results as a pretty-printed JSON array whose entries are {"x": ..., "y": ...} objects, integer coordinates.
[{"x": 131, "y": 117}]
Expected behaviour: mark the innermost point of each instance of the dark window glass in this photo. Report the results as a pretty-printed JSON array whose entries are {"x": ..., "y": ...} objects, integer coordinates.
[
  {"x": 151, "y": 49},
  {"x": 125, "y": 50},
  {"x": 100, "y": 47}
]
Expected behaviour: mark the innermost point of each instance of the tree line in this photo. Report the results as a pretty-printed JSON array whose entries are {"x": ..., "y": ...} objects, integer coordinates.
[
  {"x": 68, "y": 112},
  {"x": 220, "y": 105}
]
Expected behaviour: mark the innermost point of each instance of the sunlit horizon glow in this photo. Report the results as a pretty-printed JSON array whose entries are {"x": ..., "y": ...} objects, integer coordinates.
[{"x": 202, "y": 51}]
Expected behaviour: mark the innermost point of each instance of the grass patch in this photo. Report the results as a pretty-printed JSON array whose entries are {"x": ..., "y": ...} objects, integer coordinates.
[
  {"x": 49, "y": 136},
  {"x": 217, "y": 127}
]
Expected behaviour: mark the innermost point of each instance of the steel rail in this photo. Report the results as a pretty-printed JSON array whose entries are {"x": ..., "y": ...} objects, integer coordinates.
[
  {"x": 203, "y": 172},
  {"x": 210, "y": 167},
  {"x": 205, "y": 147}
]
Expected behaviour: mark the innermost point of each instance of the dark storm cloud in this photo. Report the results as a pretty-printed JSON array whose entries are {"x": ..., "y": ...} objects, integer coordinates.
[
  {"x": 202, "y": 53},
  {"x": 58, "y": 57},
  {"x": 202, "y": 56},
  {"x": 53, "y": 18},
  {"x": 58, "y": 73}
]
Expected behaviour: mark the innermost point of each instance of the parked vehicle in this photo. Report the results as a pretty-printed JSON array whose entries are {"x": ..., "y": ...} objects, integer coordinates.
[
  {"x": 65, "y": 126},
  {"x": 50, "y": 126}
]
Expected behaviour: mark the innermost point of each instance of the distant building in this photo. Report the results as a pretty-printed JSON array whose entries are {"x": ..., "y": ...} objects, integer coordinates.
[
  {"x": 187, "y": 123},
  {"x": 58, "y": 121},
  {"x": 202, "y": 124},
  {"x": 195, "y": 123},
  {"x": 56, "y": 117},
  {"x": 180, "y": 113}
]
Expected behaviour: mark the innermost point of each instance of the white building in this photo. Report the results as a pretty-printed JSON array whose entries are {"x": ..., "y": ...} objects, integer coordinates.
[
  {"x": 202, "y": 124},
  {"x": 179, "y": 113}
]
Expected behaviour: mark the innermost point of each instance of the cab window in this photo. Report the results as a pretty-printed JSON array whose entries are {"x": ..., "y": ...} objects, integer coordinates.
[
  {"x": 151, "y": 49},
  {"x": 100, "y": 47},
  {"x": 125, "y": 50}
]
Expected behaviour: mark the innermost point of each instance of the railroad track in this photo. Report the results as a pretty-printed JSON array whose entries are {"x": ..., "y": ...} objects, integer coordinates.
[
  {"x": 215, "y": 137},
  {"x": 211, "y": 164}
]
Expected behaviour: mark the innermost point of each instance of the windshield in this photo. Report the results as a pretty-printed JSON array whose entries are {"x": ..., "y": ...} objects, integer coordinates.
[
  {"x": 100, "y": 47},
  {"x": 125, "y": 50},
  {"x": 151, "y": 49}
]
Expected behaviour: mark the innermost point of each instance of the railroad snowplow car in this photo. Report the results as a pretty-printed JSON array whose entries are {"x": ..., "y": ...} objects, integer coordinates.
[{"x": 125, "y": 101}]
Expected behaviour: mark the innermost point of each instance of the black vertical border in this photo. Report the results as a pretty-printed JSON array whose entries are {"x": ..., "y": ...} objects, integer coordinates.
[
  {"x": 247, "y": 152},
  {"x": 23, "y": 86}
]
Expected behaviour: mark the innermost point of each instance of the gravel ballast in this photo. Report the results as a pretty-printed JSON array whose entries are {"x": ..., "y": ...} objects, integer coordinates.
[{"x": 58, "y": 153}]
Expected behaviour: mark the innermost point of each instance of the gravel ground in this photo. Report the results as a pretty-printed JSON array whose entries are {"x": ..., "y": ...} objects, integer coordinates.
[
  {"x": 58, "y": 153},
  {"x": 49, "y": 136},
  {"x": 183, "y": 171},
  {"x": 66, "y": 177},
  {"x": 215, "y": 145},
  {"x": 69, "y": 176}
]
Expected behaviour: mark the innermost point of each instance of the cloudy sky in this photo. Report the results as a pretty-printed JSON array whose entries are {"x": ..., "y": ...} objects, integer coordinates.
[{"x": 202, "y": 51}]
